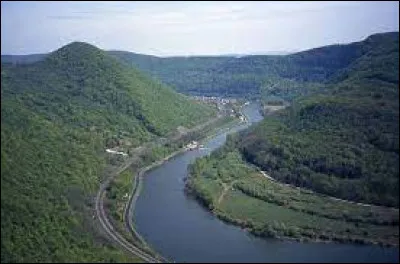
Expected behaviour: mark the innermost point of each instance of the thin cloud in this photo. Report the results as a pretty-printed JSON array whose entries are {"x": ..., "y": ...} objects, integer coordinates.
[
  {"x": 200, "y": 28},
  {"x": 69, "y": 17}
]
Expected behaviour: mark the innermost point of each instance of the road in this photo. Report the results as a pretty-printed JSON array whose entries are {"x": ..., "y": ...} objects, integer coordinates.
[
  {"x": 225, "y": 190},
  {"x": 101, "y": 214},
  {"x": 107, "y": 226}
]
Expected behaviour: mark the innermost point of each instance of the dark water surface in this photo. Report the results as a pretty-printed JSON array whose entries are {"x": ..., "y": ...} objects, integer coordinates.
[{"x": 180, "y": 229}]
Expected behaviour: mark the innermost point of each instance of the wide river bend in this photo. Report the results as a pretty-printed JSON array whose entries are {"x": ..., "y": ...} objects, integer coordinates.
[{"x": 180, "y": 229}]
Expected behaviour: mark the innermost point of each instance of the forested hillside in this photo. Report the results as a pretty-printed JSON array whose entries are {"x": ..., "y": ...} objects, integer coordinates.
[
  {"x": 344, "y": 143},
  {"x": 57, "y": 117},
  {"x": 255, "y": 76}
]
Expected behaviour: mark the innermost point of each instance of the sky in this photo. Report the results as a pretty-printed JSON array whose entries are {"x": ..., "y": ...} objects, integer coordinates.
[{"x": 191, "y": 28}]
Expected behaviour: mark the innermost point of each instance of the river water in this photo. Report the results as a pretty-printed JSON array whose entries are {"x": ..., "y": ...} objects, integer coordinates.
[{"x": 180, "y": 229}]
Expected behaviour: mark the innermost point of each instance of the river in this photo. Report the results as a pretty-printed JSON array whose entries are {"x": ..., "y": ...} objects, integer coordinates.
[{"x": 180, "y": 229}]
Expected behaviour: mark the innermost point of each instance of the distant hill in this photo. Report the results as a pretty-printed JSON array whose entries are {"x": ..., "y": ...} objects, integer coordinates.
[
  {"x": 22, "y": 59},
  {"x": 57, "y": 117},
  {"x": 257, "y": 76},
  {"x": 293, "y": 75}
]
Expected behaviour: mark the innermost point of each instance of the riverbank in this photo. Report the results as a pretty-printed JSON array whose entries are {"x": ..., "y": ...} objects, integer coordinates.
[
  {"x": 122, "y": 194},
  {"x": 268, "y": 209},
  {"x": 179, "y": 228}
]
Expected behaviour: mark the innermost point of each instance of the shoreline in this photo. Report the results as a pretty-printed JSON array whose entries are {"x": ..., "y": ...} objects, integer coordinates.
[
  {"x": 249, "y": 227},
  {"x": 138, "y": 180},
  {"x": 130, "y": 206}
]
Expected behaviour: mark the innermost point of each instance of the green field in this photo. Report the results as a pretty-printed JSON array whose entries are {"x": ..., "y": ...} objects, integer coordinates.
[{"x": 272, "y": 209}]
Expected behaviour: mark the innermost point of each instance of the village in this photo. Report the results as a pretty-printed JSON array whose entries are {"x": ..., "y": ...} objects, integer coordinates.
[{"x": 228, "y": 106}]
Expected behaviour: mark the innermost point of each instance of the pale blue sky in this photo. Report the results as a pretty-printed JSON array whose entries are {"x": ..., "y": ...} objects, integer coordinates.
[{"x": 191, "y": 28}]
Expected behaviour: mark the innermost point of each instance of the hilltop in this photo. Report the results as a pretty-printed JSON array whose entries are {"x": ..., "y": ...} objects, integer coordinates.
[{"x": 58, "y": 115}]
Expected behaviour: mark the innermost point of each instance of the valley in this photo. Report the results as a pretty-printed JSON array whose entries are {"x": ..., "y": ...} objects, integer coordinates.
[{"x": 89, "y": 134}]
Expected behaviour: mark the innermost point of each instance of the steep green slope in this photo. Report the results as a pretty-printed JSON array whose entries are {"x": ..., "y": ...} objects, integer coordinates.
[
  {"x": 345, "y": 143},
  {"x": 47, "y": 173},
  {"x": 82, "y": 82},
  {"x": 57, "y": 116}
]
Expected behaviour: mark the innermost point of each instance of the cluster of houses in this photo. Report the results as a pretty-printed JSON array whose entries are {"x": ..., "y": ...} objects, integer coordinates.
[
  {"x": 219, "y": 102},
  {"x": 193, "y": 145},
  {"x": 214, "y": 99}
]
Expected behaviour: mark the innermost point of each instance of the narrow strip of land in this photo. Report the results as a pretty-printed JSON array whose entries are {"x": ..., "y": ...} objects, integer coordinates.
[
  {"x": 107, "y": 226},
  {"x": 112, "y": 232}
]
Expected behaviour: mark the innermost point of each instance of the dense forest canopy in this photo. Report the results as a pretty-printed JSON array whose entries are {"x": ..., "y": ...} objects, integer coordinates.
[
  {"x": 301, "y": 73},
  {"x": 344, "y": 142},
  {"x": 57, "y": 117}
]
